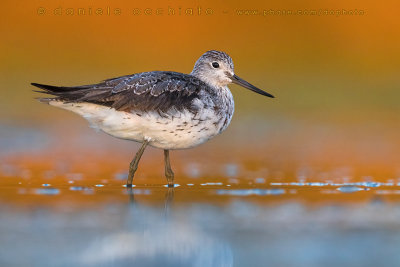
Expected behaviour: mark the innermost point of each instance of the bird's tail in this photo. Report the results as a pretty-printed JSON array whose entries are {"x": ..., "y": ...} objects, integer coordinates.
[{"x": 61, "y": 92}]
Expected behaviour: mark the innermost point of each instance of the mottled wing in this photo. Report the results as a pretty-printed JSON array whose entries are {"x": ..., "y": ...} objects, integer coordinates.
[{"x": 157, "y": 90}]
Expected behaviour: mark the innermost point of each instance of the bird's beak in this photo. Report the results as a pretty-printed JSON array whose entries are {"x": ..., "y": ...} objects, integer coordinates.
[{"x": 241, "y": 82}]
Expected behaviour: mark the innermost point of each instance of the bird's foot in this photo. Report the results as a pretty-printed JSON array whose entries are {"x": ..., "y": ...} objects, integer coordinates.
[{"x": 170, "y": 178}]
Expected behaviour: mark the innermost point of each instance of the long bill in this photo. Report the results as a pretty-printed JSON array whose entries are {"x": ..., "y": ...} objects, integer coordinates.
[{"x": 237, "y": 80}]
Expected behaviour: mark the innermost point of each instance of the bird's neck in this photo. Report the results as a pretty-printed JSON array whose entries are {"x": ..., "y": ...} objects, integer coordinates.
[{"x": 207, "y": 80}]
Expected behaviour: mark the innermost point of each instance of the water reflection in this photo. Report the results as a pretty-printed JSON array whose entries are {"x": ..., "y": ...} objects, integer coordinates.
[
  {"x": 170, "y": 232},
  {"x": 155, "y": 237},
  {"x": 241, "y": 216}
]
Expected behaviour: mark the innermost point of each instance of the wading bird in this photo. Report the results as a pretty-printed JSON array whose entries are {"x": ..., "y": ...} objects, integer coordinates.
[{"x": 163, "y": 109}]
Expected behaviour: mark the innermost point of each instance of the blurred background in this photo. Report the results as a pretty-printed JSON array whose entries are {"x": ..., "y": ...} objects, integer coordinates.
[
  {"x": 335, "y": 74},
  {"x": 332, "y": 128}
]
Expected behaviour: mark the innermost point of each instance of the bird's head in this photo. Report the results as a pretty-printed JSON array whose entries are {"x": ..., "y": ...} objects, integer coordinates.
[{"x": 216, "y": 69}]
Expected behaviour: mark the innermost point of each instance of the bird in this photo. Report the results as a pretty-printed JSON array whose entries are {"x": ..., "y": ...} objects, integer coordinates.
[{"x": 163, "y": 109}]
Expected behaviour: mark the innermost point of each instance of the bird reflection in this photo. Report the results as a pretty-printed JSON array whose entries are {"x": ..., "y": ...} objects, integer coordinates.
[{"x": 168, "y": 198}]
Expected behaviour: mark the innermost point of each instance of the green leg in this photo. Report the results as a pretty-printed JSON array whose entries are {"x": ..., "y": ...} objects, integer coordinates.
[
  {"x": 168, "y": 171},
  {"x": 134, "y": 163}
]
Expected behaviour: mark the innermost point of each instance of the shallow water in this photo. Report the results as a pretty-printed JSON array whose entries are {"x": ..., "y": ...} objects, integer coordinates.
[
  {"x": 197, "y": 226},
  {"x": 66, "y": 205}
]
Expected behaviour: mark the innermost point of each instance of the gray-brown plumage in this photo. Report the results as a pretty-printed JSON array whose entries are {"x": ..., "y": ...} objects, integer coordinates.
[
  {"x": 164, "y": 109},
  {"x": 146, "y": 91}
]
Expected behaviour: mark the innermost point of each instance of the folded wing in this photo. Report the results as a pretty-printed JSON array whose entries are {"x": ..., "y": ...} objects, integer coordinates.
[{"x": 147, "y": 91}]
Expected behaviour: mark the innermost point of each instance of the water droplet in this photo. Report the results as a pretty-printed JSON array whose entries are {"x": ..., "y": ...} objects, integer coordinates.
[
  {"x": 46, "y": 184},
  {"x": 99, "y": 185},
  {"x": 190, "y": 184}
]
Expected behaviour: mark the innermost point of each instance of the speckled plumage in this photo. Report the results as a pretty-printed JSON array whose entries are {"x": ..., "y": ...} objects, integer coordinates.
[
  {"x": 164, "y": 109},
  {"x": 172, "y": 110}
]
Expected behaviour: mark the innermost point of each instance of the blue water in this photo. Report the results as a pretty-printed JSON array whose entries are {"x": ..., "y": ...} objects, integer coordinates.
[
  {"x": 239, "y": 234},
  {"x": 144, "y": 227}
]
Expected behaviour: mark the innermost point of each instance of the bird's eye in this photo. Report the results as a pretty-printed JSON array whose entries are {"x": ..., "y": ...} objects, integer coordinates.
[{"x": 215, "y": 64}]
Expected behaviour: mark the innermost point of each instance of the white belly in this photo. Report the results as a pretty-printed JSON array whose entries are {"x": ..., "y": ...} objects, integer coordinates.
[{"x": 175, "y": 130}]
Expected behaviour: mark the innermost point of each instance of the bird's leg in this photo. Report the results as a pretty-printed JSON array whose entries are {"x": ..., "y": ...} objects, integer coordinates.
[
  {"x": 134, "y": 163},
  {"x": 168, "y": 171}
]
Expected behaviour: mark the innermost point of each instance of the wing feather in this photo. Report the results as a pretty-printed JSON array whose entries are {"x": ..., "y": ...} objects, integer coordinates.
[{"x": 147, "y": 91}]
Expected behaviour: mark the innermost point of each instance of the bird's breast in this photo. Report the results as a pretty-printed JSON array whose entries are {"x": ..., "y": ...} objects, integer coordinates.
[
  {"x": 174, "y": 129},
  {"x": 208, "y": 116}
]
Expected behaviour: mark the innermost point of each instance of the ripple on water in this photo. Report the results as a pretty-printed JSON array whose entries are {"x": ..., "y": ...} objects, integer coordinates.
[
  {"x": 76, "y": 188},
  {"x": 127, "y": 186},
  {"x": 137, "y": 192},
  {"x": 249, "y": 192},
  {"x": 211, "y": 184},
  {"x": 259, "y": 180},
  {"x": 46, "y": 191},
  {"x": 351, "y": 189},
  {"x": 175, "y": 185},
  {"x": 298, "y": 183},
  {"x": 317, "y": 184},
  {"x": 84, "y": 189},
  {"x": 370, "y": 184}
]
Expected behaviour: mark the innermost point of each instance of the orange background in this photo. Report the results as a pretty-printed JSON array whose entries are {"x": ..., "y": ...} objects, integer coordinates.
[{"x": 336, "y": 78}]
